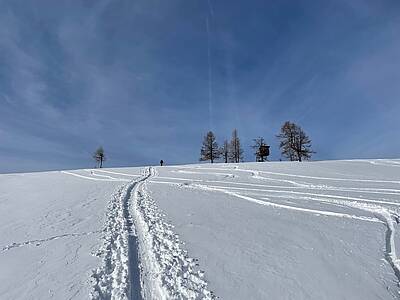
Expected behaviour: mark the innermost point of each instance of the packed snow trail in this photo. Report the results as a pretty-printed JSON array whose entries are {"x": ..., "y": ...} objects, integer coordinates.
[
  {"x": 167, "y": 272},
  {"x": 113, "y": 279},
  {"x": 142, "y": 256}
]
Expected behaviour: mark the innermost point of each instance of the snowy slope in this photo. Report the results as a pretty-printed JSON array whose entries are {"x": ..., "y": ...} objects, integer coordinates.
[{"x": 281, "y": 230}]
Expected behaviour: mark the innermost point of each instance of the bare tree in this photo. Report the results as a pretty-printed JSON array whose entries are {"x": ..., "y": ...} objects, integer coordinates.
[
  {"x": 235, "y": 150},
  {"x": 302, "y": 145},
  {"x": 99, "y": 157},
  {"x": 209, "y": 150},
  {"x": 261, "y": 149},
  {"x": 286, "y": 136},
  {"x": 225, "y": 151},
  {"x": 294, "y": 142}
]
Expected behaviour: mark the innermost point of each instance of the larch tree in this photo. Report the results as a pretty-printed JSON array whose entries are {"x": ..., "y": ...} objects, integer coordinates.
[
  {"x": 99, "y": 157},
  {"x": 209, "y": 150},
  {"x": 294, "y": 142},
  {"x": 225, "y": 151},
  {"x": 302, "y": 145},
  {"x": 235, "y": 149}
]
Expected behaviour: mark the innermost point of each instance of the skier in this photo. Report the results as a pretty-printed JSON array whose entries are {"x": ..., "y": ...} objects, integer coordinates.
[{"x": 161, "y": 163}]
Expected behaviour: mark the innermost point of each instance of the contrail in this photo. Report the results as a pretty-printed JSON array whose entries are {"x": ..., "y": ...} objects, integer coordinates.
[
  {"x": 209, "y": 73},
  {"x": 210, "y": 8}
]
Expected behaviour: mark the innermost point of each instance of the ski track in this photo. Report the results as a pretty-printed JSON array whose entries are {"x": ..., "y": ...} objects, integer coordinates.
[
  {"x": 94, "y": 173},
  {"x": 272, "y": 204},
  {"x": 38, "y": 242},
  {"x": 118, "y": 173},
  {"x": 385, "y": 215},
  {"x": 386, "y": 163},
  {"x": 142, "y": 256},
  {"x": 382, "y": 214},
  {"x": 92, "y": 178},
  {"x": 111, "y": 280},
  {"x": 303, "y": 176},
  {"x": 298, "y": 185},
  {"x": 167, "y": 270},
  {"x": 228, "y": 175},
  {"x": 282, "y": 192}
]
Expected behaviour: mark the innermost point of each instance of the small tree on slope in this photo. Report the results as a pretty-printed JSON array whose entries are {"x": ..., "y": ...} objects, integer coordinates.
[
  {"x": 99, "y": 157},
  {"x": 209, "y": 150},
  {"x": 235, "y": 149},
  {"x": 225, "y": 151}
]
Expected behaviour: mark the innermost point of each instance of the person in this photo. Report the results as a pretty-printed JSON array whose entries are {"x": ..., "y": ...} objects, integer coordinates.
[{"x": 161, "y": 163}]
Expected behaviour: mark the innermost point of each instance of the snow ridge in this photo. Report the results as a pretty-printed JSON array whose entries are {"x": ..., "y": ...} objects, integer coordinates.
[
  {"x": 167, "y": 272},
  {"x": 112, "y": 279}
]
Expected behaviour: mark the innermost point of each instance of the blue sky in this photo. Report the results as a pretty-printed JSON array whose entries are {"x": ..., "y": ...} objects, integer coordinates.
[{"x": 147, "y": 79}]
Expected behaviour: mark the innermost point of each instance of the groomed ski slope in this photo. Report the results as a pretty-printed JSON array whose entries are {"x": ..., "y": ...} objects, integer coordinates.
[{"x": 279, "y": 230}]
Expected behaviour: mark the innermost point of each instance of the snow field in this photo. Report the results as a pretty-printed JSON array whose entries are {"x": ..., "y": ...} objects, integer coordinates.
[{"x": 317, "y": 230}]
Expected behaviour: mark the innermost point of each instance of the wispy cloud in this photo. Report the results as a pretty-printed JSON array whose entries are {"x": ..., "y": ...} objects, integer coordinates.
[{"x": 134, "y": 77}]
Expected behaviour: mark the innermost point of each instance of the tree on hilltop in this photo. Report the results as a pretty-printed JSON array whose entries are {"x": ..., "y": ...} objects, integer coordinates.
[
  {"x": 225, "y": 151},
  {"x": 294, "y": 142},
  {"x": 209, "y": 150},
  {"x": 235, "y": 149}
]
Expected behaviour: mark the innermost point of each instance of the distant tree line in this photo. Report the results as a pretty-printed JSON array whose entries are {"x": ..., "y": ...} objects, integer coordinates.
[
  {"x": 294, "y": 145},
  {"x": 230, "y": 151}
]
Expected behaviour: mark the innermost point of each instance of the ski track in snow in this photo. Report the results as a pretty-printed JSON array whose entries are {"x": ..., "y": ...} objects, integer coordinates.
[
  {"x": 142, "y": 256},
  {"x": 386, "y": 215},
  {"x": 118, "y": 173},
  {"x": 38, "y": 242},
  {"x": 167, "y": 270},
  {"x": 165, "y": 266},
  {"x": 92, "y": 178},
  {"x": 111, "y": 280},
  {"x": 228, "y": 175},
  {"x": 255, "y": 172},
  {"x": 272, "y": 204},
  {"x": 298, "y": 185}
]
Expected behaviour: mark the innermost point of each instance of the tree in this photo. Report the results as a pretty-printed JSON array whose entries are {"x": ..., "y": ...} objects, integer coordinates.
[
  {"x": 294, "y": 143},
  {"x": 99, "y": 157},
  {"x": 225, "y": 151},
  {"x": 302, "y": 145},
  {"x": 209, "y": 150},
  {"x": 235, "y": 150},
  {"x": 261, "y": 149},
  {"x": 286, "y": 136}
]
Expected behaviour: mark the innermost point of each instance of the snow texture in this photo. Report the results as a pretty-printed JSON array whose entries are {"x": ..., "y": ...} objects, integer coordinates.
[{"x": 316, "y": 230}]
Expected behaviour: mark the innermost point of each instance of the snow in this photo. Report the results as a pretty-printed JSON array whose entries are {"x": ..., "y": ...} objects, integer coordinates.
[{"x": 279, "y": 230}]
